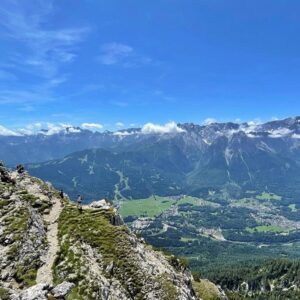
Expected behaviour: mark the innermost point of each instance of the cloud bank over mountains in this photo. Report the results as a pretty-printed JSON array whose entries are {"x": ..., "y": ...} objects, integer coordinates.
[
  {"x": 170, "y": 127},
  {"x": 275, "y": 129}
]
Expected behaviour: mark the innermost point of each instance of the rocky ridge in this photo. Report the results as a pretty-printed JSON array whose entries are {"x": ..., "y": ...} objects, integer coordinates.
[{"x": 50, "y": 249}]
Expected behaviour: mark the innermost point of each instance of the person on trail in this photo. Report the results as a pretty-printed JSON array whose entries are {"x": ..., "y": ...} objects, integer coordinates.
[
  {"x": 79, "y": 202},
  {"x": 49, "y": 194},
  {"x": 61, "y": 195},
  {"x": 20, "y": 169}
]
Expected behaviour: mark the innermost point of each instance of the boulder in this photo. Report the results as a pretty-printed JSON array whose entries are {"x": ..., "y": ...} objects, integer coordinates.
[
  {"x": 36, "y": 292},
  {"x": 116, "y": 220},
  {"x": 6, "y": 195},
  {"x": 100, "y": 204},
  {"x": 5, "y": 176},
  {"x": 62, "y": 289}
]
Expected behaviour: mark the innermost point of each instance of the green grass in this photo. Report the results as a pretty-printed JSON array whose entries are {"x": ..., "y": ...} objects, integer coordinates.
[
  {"x": 267, "y": 228},
  {"x": 4, "y": 295},
  {"x": 26, "y": 276},
  {"x": 17, "y": 224},
  {"x": 195, "y": 201},
  {"x": 92, "y": 227},
  {"x": 206, "y": 290},
  {"x": 186, "y": 239},
  {"x": 170, "y": 291},
  {"x": 113, "y": 243},
  {"x": 268, "y": 196},
  {"x": 149, "y": 207},
  {"x": 292, "y": 207},
  {"x": 4, "y": 203}
]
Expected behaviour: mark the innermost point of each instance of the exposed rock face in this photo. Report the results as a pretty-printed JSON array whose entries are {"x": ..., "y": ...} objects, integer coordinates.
[
  {"x": 97, "y": 257},
  {"x": 141, "y": 223},
  {"x": 23, "y": 232},
  {"x": 41, "y": 291},
  {"x": 100, "y": 204},
  {"x": 4, "y": 175},
  {"x": 37, "y": 292},
  {"x": 62, "y": 289}
]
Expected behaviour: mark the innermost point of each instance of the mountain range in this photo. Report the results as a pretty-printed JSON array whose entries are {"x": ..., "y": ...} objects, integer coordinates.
[
  {"x": 220, "y": 195},
  {"x": 192, "y": 159}
]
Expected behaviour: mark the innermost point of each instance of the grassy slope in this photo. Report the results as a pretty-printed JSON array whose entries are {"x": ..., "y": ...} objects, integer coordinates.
[{"x": 93, "y": 227}]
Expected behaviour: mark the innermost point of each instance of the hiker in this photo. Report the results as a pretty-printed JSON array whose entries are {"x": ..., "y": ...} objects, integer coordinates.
[
  {"x": 49, "y": 194},
  {"x": 79, "y": 202},
  {"x": 62, "y": 196},
  {"x": 20, "y": 169}
]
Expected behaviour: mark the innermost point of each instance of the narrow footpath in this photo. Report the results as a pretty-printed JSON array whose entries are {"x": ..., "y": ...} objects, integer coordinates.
[{"x": 44, "y": 274}]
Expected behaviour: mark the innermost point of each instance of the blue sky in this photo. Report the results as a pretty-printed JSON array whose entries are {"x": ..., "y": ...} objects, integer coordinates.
[{"x": 133, "y": 61}]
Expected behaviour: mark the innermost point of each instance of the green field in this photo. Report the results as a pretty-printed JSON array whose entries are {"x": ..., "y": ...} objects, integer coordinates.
[
  {"x": 268, "y": 196},
  {"x": 149, "y": 207},
  {"x": 187, "y": 239},
  {"x": 196, "y": 201},
  {"x": 267, "y": 228}
]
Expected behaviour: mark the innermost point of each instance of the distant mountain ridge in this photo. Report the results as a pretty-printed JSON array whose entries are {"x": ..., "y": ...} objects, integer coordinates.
[
  {"x": 47, "y": 145},
  {"x": 263, "y": 157}
]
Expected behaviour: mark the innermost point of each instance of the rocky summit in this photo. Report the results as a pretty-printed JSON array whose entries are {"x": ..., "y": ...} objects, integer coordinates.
[{"x": 52, "y": 249}]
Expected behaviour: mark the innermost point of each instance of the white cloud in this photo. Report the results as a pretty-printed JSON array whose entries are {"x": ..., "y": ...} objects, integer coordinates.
[
  {"x": 120, "y": 124},
  {"x": 40, "y": 128},
  {"x": 39, "y": 51},
  {"x": 34, "y": 126},
  {"x": 256, "y": 126},
  {"x": 54, "y": 129},
  {"x": 296, "y": 136},
  {"x": 209, "y": 121},
  {"x": 170, "y": 127},
  {"x": 121, "y": 54},
  {"x": 281, "y": 132},
  {"x": 59, "y": 128},
  {"x": 30, "y": 129},
  {"x": 7, "y": 132},
  {"x": 92, "y": 126},
  {"x": 47, "y": 48},
  {"x": 254, "y": 122},
  {"x": 274, "y": 119},
  {"x": 123, "y": 133},
  {"x": 113, "y": 53}
]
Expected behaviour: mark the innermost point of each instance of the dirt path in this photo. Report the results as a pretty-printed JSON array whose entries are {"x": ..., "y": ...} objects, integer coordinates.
[{"x": 44, "y": 274}]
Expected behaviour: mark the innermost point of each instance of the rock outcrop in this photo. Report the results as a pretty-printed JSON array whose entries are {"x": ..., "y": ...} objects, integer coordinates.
[{"x": 49, "y": 249}]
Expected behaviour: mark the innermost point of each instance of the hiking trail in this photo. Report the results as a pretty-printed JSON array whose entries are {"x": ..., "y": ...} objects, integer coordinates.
[{"x": 44, "y": 274}]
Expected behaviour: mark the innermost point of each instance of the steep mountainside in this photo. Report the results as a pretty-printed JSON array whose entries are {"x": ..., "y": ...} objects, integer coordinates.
[
  {"x": 46, "y": 145},
  {"x": 50, "y": 249},
  {"x": 117, "y": 175},
  {"x": 201, "y": 158},
  {"x": 277, "y": 279}
]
